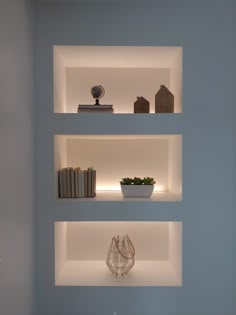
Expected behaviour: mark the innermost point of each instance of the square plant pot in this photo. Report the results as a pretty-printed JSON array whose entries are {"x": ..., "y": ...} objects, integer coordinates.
[{"x": 137, "y": 191}]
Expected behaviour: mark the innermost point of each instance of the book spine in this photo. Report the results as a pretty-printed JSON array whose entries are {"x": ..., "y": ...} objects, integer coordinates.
[
  {"x": 79, "y": 180},
  {"x": 98, "y": 107},
  {"x": 91, "y": 182},
  {"x": 94, "y": 183},
  {"x": 64, "y": 183},
  {"x": 90, "y": 170},
  {"x": 72, "y": 177},
  {"x": 76, "y": 183},
  {"x": 82, "y": 183},
  {"x": 60, "y": 184},
  {"x": 105, "y": 110},
  {"x": 85, "y": 183},
  {"x": 68, "y": 181}
]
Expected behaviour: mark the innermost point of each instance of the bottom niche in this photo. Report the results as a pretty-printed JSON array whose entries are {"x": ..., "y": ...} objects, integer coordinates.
[{"x": 81, "y": 249}]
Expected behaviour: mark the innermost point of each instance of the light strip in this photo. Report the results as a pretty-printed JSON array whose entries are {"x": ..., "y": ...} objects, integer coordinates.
[{"x": 116, "y": 188}]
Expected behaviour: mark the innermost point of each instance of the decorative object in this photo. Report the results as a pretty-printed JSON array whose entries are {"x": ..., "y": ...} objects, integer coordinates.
[
  {"x": 97, "y": 92},
  {"x": 76, "y": 183},
  {"x": 137, "y": 187},
  {"x": 141, "y": 105},
  {"x": 164, "y": 101},
  {"x": 120, "y": 257}
]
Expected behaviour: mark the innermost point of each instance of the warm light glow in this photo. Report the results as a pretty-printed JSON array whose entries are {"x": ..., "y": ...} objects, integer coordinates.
[
  {"x": 104, "y": 153},
  {"x": 78, "y": 68},
  {"x": 81, "y": 249},
  {"x": 159, "y": 188},
  {"x": 106, "y": 188},
  {"x": 118, "y": 56}
]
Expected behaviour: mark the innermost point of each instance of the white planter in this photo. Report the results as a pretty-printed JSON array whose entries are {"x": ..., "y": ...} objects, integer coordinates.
[{"x": 137, "y": 191}]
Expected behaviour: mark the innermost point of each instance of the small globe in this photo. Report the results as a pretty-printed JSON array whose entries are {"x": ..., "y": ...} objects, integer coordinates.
[{"x": 97, "y": 91}]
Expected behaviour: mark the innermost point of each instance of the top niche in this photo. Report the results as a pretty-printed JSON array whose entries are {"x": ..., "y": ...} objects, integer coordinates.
[{"x": 124, "y": 71}]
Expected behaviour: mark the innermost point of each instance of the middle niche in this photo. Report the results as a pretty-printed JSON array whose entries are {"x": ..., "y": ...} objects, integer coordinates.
[{"x": 118, "y": 156}]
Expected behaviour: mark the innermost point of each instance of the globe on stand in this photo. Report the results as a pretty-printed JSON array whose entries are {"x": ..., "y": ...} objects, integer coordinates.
[{"x": 97, "y": 92}]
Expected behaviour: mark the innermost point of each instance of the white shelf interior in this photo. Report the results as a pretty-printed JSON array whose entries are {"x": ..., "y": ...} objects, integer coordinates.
[
  {"x": 124, "y": 71},
  {"x": 118, "y": 156},
  {"x": 81, "y": 249}
]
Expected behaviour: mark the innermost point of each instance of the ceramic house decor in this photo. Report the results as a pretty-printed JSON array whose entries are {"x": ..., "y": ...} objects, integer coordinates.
[
  {"x": 164, "y": 101},
  {"x": 141, "y": 105}
]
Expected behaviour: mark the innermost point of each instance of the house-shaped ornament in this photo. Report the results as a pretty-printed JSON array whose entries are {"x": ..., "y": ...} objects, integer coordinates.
[
  {"x": 141, "y": 105},
  {"x": 164, "y": 101}
]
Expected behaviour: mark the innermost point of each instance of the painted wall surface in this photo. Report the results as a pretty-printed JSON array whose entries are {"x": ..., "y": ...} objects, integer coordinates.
[
  {"x": 206, "y": 31},
  {"x": 16, "y": 158}
]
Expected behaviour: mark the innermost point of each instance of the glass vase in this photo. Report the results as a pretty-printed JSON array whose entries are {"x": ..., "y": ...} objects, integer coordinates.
[{"x": 120, "y": 257}]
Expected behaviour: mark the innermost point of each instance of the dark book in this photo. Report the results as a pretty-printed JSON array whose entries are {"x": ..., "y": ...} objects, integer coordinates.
[
  {"x": 95, "y": 107},
  {"x": 68, "y": 183},
  {"x": 89, "y": 171},
  {"x": 91, "y": 182},
  {"x": 64, "y": 183},
  {"x": 85, "y": 183},
  {"x": 81, "y": 184},
  {"x": 94, "y": 110},
  {"x": 76, "y": 183},
  {"x": 94, "y": 183},
  {"x": 72, "y": 178},
  {"x": 60, "y": 184}
]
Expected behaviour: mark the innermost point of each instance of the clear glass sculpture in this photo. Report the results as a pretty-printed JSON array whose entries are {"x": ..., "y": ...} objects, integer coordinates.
[{"x": 120, "y": 257}]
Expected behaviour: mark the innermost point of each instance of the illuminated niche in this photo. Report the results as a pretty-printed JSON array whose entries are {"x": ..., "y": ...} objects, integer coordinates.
[
  {"x": 118, "y": 156},
  {"x": 124, "y": 71},
  {"x": 81, "y": 249}
]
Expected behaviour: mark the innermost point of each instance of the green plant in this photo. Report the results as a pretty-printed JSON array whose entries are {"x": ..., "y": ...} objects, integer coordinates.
[
  {"x": 126, "y": 181},
  {"x": 137, "y": 181},
  {"x": 148, "y": 181}
]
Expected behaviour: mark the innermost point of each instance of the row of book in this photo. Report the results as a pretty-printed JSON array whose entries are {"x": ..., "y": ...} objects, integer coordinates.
[{"x": 76, "y": 183}]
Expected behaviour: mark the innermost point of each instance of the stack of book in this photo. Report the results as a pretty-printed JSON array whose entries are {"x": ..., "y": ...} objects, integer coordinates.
[
  {"x": 76, "y": 183},
  {"x": 95, "y": 108}
]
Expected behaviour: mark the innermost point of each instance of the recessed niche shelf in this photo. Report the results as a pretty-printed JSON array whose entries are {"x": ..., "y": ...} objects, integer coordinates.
[
  {"x": 125, "y": 72},
  {"x": 118, "y": 156},
  {"x": 89, "y": 123},
  {"x": 81, "y": 249},
  {"x": 117, "y": 196}
]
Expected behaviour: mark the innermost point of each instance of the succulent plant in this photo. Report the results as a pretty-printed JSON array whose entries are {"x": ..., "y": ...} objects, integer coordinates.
[
  {"x": 137, "y": 181},
  {"x": 148, "y": 181},
  {"x": 126, "y": 181}
]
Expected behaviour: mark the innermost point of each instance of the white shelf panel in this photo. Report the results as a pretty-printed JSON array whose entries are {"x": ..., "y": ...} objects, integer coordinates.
[
  {"x": 96, "y": 273},
  {"x": 73, "y": 210},
  {"x": 117, "y": 196},
  {"x": 90, "y": 123}
]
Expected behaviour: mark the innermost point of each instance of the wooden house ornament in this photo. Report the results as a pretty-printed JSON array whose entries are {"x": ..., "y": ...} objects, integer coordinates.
[
  {"x": 141, "y": 105},
  {"x": 164, "y": 101}
]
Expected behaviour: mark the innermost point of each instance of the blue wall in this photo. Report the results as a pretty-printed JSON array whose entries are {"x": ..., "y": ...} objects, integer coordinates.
[
  {"x": 206, "y": 31},
  {"x": 16, "y": 158}
]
